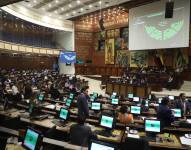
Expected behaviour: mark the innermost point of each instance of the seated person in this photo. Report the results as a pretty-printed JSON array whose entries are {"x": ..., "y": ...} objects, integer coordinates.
[
  {"x": 27, "y": 91},
  {"x": 164, "y": 113},
  {"x": 153, "y": 98},
  {"x": 143, "y": 107},
  {"x": 80, "y": 134},
  {"x": 124, "y": 117},
  {"x": 55, "y": 94}
]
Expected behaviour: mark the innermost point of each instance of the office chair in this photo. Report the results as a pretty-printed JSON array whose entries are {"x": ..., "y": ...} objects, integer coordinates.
[
  {"x": 135, "y": 144},
  {"x": 12, "y": 123},
  {"x": 3, "y": 142},
  {"x": 52, "y": 134}
]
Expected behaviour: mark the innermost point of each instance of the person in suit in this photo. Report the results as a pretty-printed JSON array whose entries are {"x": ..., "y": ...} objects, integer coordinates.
[
  {"x": 28, "y": 91},
  {"x": 181, "y": 103},
  {"x": 82, "y": 103},
  {"x": 80, "y": 134},
  {"x": 164, "y": 113}
]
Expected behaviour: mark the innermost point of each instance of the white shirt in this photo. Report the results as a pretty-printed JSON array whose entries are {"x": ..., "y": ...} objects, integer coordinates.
[{"x": 15, "y": 90}]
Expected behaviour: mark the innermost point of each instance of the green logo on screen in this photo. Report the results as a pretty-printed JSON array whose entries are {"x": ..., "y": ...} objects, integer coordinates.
[{"x": 162, "y": 32}]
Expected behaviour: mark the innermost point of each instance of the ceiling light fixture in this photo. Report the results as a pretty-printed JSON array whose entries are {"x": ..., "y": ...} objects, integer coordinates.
[
  {"x": 78, "y": 1},
  {"x": 82, "y": 9},
  {"x": 90, "y": 6},
  {"x": 29, "y": 5},
  {"x": 70, "y": 5},
  {"x": 49, "y": 5}
]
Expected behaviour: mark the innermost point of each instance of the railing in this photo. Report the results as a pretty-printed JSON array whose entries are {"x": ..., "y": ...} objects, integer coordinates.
[{"x": 12, "y": 47}]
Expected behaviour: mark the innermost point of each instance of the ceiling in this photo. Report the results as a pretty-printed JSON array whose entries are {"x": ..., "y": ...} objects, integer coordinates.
[{"x": 67, "y": 9}]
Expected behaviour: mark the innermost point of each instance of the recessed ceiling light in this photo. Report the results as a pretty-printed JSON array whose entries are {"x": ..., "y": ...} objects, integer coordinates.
[
  {"x": 82, "y": 9},
  {"x": 29, "y": 5},
  {"x": 70, "y": 5},
  {"x": 62, "y": 8},
  {"x": 100, "y": 2},
  {"x": 90, "y": 6},
  {"x": 49, "y": 5},
  {"x": 35, "y": 1},
  {"x": 67, "y": 15},
  {"x": 74, "y": 12},
  {"x": 57, "y": 1},
  {"x": 55, "y": 11},
  {"x": 78, "y": 1}
]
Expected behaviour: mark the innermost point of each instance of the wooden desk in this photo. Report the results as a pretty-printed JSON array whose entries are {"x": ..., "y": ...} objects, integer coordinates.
[
  {"x": 124, "y": 89},
  {"x": 174, "y": 142},
  {"x": 164, "y": 143},
  {"x": 14, "y": 147},
  {"x": 47, "y": 123}
]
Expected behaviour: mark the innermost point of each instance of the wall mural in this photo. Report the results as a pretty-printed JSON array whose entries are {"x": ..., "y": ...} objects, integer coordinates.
[
  {"x": 181, "y": 59},
  {"x": 109, "y": 51},
  {"x": 122, "y": 58},
  {"x": 139, "y": 59}
]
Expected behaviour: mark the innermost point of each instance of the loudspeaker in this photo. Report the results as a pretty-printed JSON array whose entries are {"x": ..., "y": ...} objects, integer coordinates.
[
  {"x": 169, "y": 9},
  {"x": 101, "y": 24}
]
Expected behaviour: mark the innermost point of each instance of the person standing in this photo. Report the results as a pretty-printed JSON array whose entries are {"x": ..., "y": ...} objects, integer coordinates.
[
  {"x": 181, "y": 103},
  {"x": 82, "y": 103},
  {"x": 164, "y": 113}
]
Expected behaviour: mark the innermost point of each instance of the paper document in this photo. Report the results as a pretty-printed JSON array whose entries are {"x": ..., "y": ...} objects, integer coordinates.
[{"x": 185, "y": 141}]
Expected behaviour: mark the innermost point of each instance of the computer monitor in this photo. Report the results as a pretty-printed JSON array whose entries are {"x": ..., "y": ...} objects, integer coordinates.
[
  {"x": 130, "y": 95},
  {"x": 68, "y": 102},
  {"x": 177, "y": 113},
  {"x": 115, "y": 101},
  {"x": 41, "y": 97},
  {"x": 71, "y": 96},
  {"x": 95, "y": 106},
  {"x": 171, "y": 97},
  {"x": 95, "y": 94},
  {"x": 114, "y": 93},
  {"x": 98, "y": 145},
  {"x": 146, "y": 103},
  {"x": 64, "y": 114},
  {"x": 107, "y": 121},
  {"x": 153, "y": 126},
  {"x": 32, "y": 139},
  {"x": 92, "y": 98},
  {"x": 136, "y": 110},
  {"x": 150, "y": 96},
  {"x": 159, "y": 100},
  {"x": 136, "y": 99}
]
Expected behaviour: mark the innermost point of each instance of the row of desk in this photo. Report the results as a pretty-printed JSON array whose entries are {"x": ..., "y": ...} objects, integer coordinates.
[{"x": 92, "y": 122}]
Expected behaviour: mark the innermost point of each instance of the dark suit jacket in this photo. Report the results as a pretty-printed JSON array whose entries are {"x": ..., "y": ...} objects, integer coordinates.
[
  {"x": 82, "y": 104},
  {"x": 165, "y": 115},
  {"x": 180, "y": 105},
  {"x": 80, "y": 134}
]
